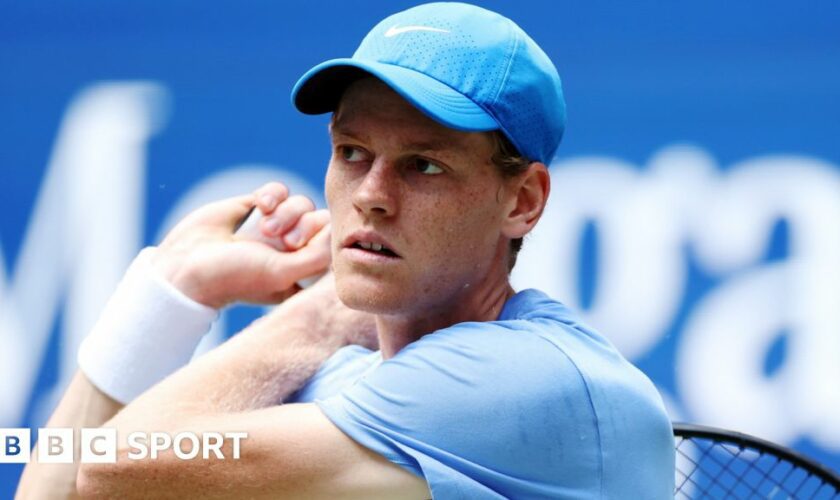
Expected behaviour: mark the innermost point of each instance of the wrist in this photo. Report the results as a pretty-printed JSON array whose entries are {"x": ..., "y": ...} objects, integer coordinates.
[
  {"x": 179, "y": 271},
  {"x": 147, "y": 330}
]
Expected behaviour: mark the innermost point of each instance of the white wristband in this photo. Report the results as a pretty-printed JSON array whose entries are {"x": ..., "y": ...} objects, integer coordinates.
[{"x": 147, "y": 331}]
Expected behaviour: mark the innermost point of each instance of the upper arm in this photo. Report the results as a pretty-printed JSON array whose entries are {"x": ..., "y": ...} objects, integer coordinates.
[{"x": 292, "y": 451}]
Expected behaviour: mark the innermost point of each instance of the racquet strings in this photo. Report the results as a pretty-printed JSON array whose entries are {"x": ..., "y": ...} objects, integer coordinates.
[{"x": 721, "y": 467}]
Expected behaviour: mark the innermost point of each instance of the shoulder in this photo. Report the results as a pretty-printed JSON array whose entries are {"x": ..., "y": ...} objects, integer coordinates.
[
  {"x": 537, "y": 362},
  {"x": 624, "y": 413},
  {"x": 534, "y": 393},
  {"x": 534, "y": 334},
  {"x": 488, "y": 351},
  {"x": 337, "y": 373}
]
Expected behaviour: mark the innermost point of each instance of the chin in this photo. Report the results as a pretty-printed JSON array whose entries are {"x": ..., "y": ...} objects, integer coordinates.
[{"x": 370, "y": 295}]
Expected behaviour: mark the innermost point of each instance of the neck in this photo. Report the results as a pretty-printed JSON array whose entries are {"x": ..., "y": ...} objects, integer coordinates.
[{"x": 482, "y": 301}]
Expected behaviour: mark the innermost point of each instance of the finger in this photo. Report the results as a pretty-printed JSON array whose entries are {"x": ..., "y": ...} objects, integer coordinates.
[
  {"x": 270, "y": 195},
  {"x": 308, "y": 226},
  {"x": 286, "y": 215},
  {"x": 312, "y": 259}
]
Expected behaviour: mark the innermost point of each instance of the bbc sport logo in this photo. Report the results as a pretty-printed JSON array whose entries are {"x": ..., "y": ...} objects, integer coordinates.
[{"x": 56, "y": 445}]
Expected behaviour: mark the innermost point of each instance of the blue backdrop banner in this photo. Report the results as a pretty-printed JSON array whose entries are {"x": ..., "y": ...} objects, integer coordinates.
[{"x": 694, "y": 208}]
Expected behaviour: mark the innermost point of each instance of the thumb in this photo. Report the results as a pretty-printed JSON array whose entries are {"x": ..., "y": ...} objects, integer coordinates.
[
  {"x": 227, "y": 213},
  {"x": 231, "y": 212}
]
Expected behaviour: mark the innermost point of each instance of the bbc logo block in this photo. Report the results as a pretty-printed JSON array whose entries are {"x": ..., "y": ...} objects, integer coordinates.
[
  {"x": 99, "y": 445},
  {"x": 55, "y": 446},
  {"x": 15, "y": 446}
]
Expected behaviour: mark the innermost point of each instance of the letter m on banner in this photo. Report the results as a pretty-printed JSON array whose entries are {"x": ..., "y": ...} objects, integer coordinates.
[{"x": 85, "y": 227}]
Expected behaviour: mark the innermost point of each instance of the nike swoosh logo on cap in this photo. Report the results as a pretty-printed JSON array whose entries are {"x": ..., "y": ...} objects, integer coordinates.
[{"x": 394, "y": 30}]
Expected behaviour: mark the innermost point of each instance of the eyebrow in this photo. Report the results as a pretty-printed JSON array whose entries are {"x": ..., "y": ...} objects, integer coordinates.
[
  {"x": 430, "y": 145},
  {"x": 338, "y": 129}
]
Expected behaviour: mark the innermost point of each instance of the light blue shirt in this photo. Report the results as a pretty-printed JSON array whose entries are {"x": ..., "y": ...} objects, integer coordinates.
[{"x": 533, "y": 405}]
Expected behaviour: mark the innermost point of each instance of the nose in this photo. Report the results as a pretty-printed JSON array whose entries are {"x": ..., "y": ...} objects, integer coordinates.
[{"x": 377, "y": 194}]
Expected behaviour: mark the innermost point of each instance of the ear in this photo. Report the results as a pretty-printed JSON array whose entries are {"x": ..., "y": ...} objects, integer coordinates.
[{"x": 528, "y": 198}]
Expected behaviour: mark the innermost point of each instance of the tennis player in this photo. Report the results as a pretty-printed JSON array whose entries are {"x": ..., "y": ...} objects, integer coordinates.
[{"x": 413, "y": 371}]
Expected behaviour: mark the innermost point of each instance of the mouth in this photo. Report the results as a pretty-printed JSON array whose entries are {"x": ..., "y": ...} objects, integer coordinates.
[
  {"x": 375, "y": 248},
  {"x": 367, "y": 245}
]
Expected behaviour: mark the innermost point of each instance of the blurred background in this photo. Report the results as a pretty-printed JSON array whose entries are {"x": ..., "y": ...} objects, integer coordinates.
[{"x": 695, "y": 207}]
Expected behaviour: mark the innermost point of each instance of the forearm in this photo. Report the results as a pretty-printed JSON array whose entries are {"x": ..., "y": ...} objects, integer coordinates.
[
  {"x": 83, "y": 405},
  {"x": 256, "y": 369},
  {"x": 260, "y": 367},
  {"x": 220, "y": 391}
]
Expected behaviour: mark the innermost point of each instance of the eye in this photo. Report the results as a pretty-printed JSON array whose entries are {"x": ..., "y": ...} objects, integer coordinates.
[
  {"x": 427, "y": 167},
  {"x": 351, "y": 154}
]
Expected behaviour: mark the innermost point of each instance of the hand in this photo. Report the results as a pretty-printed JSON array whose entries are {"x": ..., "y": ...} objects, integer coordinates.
[
  {"x": 319, "y": 313},
  {"x": 204, "y": 259}
]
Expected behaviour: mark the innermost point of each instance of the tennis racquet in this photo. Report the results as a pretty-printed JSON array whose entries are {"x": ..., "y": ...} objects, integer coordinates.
[{"x": 716, "y": 464}]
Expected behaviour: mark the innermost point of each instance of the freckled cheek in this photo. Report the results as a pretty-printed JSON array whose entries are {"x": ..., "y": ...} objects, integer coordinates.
[
  {"x": 458, "y": 232},
  {"x": 479, "y": 207}
]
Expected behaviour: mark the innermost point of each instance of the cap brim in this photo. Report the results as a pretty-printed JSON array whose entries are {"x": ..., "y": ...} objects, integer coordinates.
[{"x": 320, "y": 90}]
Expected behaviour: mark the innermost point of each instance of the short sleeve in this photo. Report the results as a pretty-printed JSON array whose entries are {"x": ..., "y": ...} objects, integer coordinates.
[
  {"x": 337, "y": 373},
  {"x": 480, "y": 410}
]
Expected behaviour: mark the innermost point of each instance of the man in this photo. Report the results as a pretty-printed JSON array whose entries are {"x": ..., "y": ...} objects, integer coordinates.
[{"x": 442, "y": 124}]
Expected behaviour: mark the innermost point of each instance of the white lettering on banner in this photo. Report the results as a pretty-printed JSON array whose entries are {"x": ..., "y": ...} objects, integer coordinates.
[
  {"x": 645, "y": 220},
  {"x": 85, "y": 229},
  {"x": 83, "y": 232},
  {"x": 732, "y": 328},
  {"x": 88, "y": 217},
  {"x": 641, "y": 266}
]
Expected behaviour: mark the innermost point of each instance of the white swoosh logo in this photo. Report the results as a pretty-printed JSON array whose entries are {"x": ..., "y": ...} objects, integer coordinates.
[{"x": 394, "y": 30}]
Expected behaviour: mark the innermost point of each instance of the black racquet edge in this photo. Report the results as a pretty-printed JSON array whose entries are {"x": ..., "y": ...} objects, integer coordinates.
[{"x": 716, "y": 463}]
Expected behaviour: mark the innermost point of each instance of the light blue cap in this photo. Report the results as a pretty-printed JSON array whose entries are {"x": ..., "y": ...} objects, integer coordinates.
[{"x": 466, "y": 67}]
